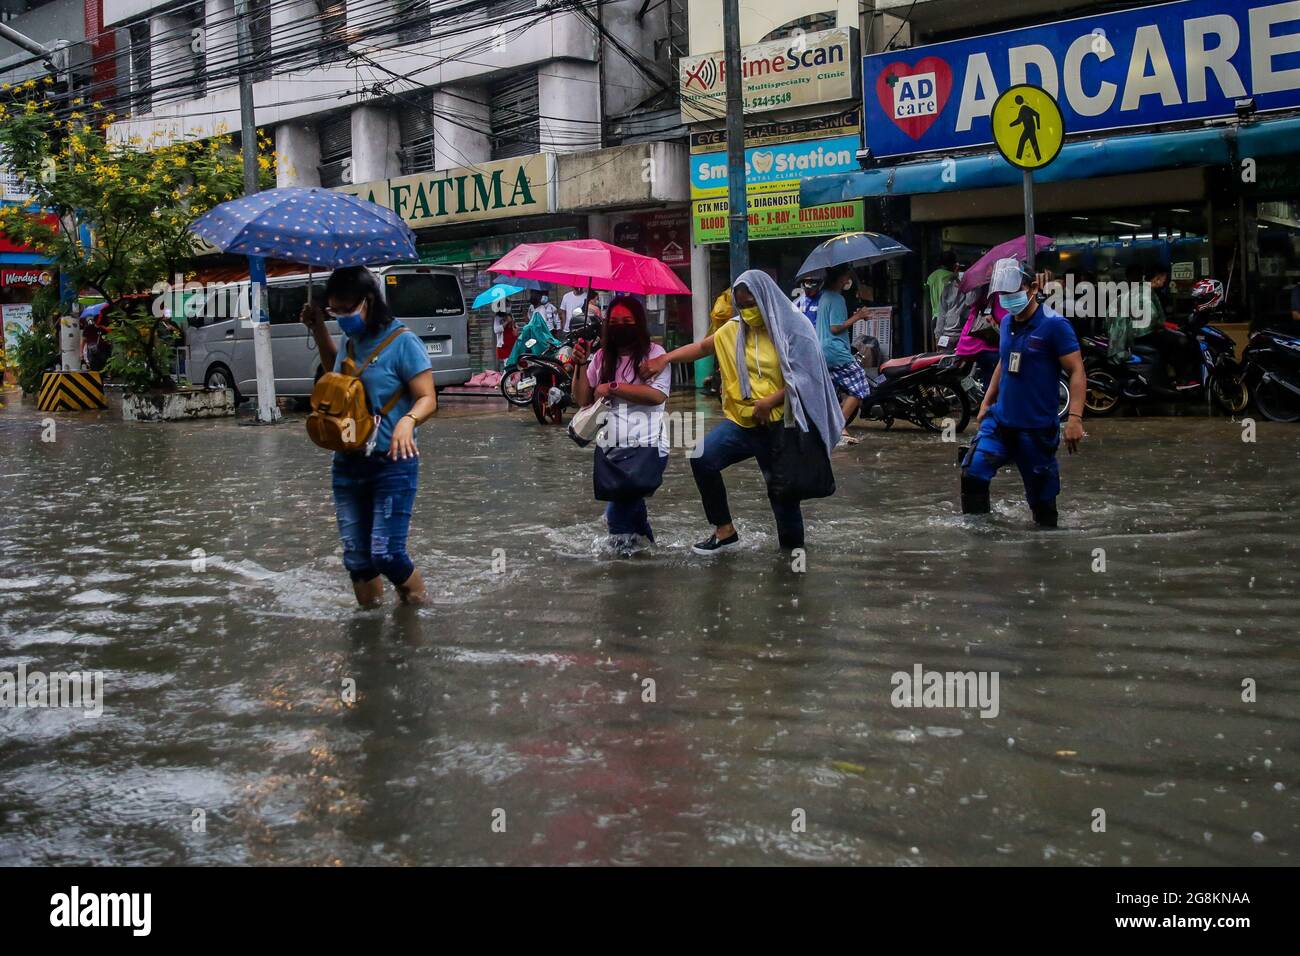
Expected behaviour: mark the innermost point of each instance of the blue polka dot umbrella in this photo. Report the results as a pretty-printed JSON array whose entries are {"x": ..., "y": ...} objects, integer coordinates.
[{"x": 317, "y": 227}]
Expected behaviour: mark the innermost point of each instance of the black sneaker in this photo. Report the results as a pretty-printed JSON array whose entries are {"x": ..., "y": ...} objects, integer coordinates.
[{"x": 712, "y": 545}]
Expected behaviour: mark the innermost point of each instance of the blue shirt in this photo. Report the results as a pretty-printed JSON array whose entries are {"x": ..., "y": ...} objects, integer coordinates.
[
  {"x": 807, "y": 304},
  {"x": 396, "y": 365},
  {"x": 829, "y": 310},
  {"x": 1030, "y": 398}
]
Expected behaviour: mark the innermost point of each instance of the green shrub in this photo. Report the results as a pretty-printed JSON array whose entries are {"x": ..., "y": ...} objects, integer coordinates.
[
  {"x": 35, "y": 352},
  {"x": 142, "y": 352}
]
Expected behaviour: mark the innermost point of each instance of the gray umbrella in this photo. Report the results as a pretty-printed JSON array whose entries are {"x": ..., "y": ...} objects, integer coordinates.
[{"x": 861, "y": 247}]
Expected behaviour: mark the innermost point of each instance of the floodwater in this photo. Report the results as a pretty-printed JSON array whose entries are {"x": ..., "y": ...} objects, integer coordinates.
[{"x": 555, "y": 705}]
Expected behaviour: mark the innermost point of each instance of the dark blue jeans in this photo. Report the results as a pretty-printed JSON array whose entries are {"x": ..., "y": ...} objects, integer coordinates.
[
  {"x": 726, "y": 445},
  {"x": 373, "y": 496},
  {"x": 628, "y": 517}
]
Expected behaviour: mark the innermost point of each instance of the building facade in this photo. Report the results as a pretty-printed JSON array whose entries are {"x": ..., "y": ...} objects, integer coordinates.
[{"x": 484, "y": 124}]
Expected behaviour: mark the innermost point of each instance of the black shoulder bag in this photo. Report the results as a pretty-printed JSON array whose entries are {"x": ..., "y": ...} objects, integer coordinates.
[{"x": 801, "y": 466}]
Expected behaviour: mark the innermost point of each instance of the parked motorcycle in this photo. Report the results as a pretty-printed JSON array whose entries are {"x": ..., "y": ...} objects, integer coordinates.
[
  {"x": 545, "y": 382},
  {"x": 923, "y": 389},
  {"x": 1145, "y": 377},
  {"x": 1271, "y": 368}
]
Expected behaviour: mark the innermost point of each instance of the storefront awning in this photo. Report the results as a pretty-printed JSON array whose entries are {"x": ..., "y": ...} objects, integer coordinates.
[{"x": 1082, "y": 160}]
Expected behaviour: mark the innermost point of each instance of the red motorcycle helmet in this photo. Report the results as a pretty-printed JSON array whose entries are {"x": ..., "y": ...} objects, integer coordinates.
[{"x": 1207, "y": 294}]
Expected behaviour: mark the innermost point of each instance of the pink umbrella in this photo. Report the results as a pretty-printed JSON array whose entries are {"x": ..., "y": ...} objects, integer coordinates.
[
  {"x": 979, "y": 273},
  {"x": 590, "y": 263}
]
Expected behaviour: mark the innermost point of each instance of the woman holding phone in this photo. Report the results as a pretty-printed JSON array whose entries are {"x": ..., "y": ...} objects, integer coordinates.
[{"x": 374, "y": 489}]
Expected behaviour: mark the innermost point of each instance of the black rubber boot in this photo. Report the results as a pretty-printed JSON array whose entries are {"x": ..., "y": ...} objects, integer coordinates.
[
  {"x": 974, "y": 495},
  {"x": 1044, "y": 514}
]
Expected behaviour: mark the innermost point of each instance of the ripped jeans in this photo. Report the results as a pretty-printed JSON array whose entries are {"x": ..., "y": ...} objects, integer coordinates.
[{"x": 373, "y": 496}]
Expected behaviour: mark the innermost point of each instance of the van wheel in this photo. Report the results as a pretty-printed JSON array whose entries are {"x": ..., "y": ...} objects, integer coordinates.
[{"x": 219, "y": 377}]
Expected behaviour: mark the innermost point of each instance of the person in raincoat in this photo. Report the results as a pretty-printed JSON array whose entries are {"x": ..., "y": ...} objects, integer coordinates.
[
  {"x": 722, "y": 311},
  {"x": 535, "y": 338},
  {"x": 770, "y": 359}
]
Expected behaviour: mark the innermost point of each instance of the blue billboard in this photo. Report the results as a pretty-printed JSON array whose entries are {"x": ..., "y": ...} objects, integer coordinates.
[
  {"x": 775, "y": 166},
  {"x": 1188, "y": 60}
]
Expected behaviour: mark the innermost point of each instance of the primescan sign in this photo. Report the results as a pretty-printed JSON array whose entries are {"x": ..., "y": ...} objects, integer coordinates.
[
  {"x": 796, "y": 71},
  {"x": 1174, "y": 62}
]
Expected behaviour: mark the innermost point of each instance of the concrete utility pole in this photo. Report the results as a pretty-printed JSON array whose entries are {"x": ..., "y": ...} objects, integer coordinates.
[
  {"x": 737, "y": 205},
  {"x": 267, "y": 410},
  {"x": 57, "y": 61}
]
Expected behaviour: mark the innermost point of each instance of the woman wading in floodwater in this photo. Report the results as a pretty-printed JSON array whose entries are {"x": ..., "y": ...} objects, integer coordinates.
[{"x": 374, "y": 489}]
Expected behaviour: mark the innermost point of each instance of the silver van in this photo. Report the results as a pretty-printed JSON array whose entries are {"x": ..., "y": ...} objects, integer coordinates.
[{"x": 426, "y": 298}]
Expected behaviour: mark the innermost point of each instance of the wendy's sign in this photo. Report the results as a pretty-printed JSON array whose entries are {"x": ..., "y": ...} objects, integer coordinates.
[{"x": 1175, "y": 62}]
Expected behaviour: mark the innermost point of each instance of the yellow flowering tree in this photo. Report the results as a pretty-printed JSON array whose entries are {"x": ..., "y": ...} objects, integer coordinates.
[{"x": 124, "y": 210}]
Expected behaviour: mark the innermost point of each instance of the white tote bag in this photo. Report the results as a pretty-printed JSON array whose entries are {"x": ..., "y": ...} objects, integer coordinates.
[{"x": 587, "y": 422}]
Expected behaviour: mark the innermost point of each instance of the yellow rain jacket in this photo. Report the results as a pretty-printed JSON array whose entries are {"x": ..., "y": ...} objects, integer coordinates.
[
  {"x": 721, "y": 312},
  {"x": 764, "y": 371}
]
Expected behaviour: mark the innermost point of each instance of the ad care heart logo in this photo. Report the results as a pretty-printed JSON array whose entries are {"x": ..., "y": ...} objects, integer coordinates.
[{"x": 914, "y": 96}]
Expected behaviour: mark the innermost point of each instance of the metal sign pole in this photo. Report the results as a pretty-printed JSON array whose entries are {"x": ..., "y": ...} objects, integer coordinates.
[{"x": 1029, "y": 221}]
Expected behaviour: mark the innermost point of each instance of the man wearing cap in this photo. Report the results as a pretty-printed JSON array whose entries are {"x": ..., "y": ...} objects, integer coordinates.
[
  {"x": 1018, "y": 417},
  {"x": 829, "y": 314},
  {"x": 810, "y": 299}
]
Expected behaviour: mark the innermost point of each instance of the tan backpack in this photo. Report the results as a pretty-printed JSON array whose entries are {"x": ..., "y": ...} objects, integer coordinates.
[{"x": 340, "y": 419}]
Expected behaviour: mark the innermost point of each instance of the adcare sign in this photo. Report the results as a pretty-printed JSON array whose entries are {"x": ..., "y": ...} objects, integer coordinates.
[{"x": 1174, "y": 62}]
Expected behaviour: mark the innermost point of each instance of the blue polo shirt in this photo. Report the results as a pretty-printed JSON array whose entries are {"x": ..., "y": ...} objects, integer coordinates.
[
  {"x": 808, "y": 304},
  {"x": 1029, "y": 398},
  {"x": 396, "y": 365}
]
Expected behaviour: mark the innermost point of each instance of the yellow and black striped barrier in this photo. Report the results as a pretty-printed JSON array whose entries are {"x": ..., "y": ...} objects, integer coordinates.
[{"x": 71, "y": 391}]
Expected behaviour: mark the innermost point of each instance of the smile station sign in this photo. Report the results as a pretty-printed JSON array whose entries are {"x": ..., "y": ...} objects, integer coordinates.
[
  {"x": 493, "y": 190},
  {"x": 777, "y": 156}
]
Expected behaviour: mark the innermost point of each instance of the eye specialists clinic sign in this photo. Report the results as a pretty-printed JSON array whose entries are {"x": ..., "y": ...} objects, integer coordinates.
[
  {"x": 494, "y": 190},
  {"x": 1175, "y": 62}
]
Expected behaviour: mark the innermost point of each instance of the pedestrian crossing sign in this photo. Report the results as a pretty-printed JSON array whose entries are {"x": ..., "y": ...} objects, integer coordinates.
[{"x": 1027, "y": 126}]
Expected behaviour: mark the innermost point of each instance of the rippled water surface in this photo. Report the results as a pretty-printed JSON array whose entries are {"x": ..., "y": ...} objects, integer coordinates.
[{"x": 197, "y": 566}]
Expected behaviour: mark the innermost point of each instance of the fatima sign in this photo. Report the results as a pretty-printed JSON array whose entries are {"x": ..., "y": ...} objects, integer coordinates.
[
  {"x": 796, "y": 71},
  {"x": 521, "y": 186}
]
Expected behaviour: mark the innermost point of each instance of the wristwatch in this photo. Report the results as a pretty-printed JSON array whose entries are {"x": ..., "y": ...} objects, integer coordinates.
[{"x": 412, "y": 418}]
